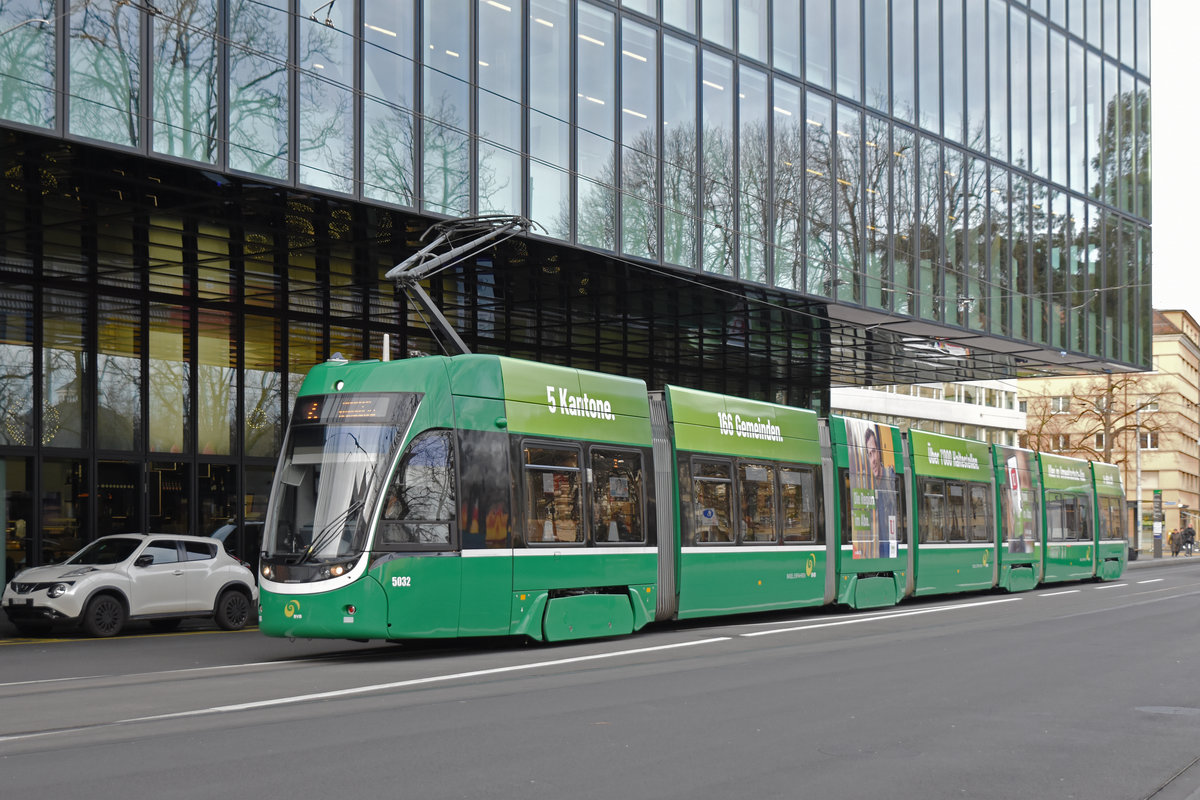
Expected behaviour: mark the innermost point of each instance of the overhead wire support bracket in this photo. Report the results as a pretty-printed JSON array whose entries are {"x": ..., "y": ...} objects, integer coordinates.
[{"x": 479, "y": 232}]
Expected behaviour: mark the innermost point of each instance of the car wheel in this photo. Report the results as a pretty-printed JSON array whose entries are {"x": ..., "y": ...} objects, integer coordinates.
[
  {"x": 165, "y": 625},
  {"x": 104, "y": 616},
  {"x": 32, "y": 628},
  {"x": 232, "y": 610}
]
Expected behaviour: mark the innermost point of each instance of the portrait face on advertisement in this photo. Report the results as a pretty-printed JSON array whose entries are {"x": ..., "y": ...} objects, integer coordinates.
[{"x": 874, "y": 456}]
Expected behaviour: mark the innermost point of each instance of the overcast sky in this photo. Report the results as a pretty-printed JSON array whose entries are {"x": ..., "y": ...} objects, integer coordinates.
[{"x": 1175, "y": 99}]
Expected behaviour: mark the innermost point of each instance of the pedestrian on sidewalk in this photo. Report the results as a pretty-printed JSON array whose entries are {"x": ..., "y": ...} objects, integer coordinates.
[{"x": 1175, "y": 540}]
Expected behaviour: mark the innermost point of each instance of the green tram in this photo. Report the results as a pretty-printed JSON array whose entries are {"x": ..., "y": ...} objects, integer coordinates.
[{"x": 480, "y": 495}]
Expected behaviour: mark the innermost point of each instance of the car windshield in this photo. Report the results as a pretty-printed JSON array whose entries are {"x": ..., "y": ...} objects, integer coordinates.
[
  {"x": 106, "y": 551},
  {"x": 328, "y": 475}
]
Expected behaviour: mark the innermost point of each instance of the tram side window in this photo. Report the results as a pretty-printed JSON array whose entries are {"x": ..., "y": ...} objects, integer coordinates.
[
  {"x": 553, "y": 498},
  {"x": 712, "y": 483},
  {"x": 1110, "y": 518},
  {"x": 1020, "y": 520},
  {"x": 980, "y": 519},
  {"x": 932, "y": 523},
  {"x": 757, "y": 485},
  {"x": 956, "y": 512},
  {"x": 617, "y": 493},
  {"x": 419, "y": 508},
  {"x": 1067, "y": 517},
  {"x": 798, "y": 499}
]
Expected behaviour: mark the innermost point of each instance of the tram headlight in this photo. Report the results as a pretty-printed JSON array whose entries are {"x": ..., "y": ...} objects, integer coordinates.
[
  {"x": 267, "y": 572},
  {"x": 338, "y": 570}
]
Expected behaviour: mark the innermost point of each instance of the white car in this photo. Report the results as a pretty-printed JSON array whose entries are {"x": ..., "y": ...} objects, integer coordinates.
[{"x": 157, "y": 577}]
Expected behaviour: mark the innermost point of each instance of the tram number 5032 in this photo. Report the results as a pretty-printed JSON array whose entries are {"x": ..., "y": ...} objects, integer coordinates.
[{"x": 401, "y": 581}]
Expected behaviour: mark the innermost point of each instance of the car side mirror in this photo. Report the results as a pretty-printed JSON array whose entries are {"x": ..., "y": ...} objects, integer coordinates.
[{"x": 144, "y": 561}]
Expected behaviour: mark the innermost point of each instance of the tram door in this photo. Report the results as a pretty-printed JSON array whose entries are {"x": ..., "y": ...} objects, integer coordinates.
[{"x": 422, "y": 579}]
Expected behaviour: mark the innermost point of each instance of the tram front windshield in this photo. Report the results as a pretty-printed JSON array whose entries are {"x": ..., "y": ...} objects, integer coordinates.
[{"x": 330, "y": 475}]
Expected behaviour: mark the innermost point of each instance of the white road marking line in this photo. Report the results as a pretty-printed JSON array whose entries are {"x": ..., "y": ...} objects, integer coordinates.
[
  {"x": 1111, "y": 585},
  {"x": 877, "y": 618},
  {"x": 1056, "y": 594},
  {"x": 1152, "y": 580},
  {"x": 378, "y": 687}
]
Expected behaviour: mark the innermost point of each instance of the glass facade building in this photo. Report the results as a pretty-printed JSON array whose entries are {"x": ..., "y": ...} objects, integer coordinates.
[{"x": 200, "y": 199}]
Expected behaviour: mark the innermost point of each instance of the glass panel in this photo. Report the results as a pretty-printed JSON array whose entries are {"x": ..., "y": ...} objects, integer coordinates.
[
  {"x": 1094, "y": 20},
  {"x": 929, "y": 204},
  {"x": 954, "y": 182},
  {"x": 878, "y": 199},
  {"x": 596, "y": 129},
  {"x": 849, "y": 204},
  {"x": 388, "y": 137},
  {"x": 1058, "y": 108},
  {"x": 1001, "y": 274},
  {"x": 997, "y": 78},
  {"x": 168, "y": 490},
  {"x": 752, "y": 29},
  {"x": 185, "y": 79},
  {"x": 849, "y": 56},
  {"x": 977, "y": 302},
  {"x": 27, "y": 62},
  {"x": 446, "y": 150},
  {"x": 261, "y": 379},
  {"x": 757, "y": 493},
  {"x": 818, "y": 198},
  {"x": 105, "y": 99},
  {"x": 549, "y": 112},
  {"x": 754, "y": 176},
  {"x": 1021, "y": 221},
  {"x": 258, "y": 87},
  {"x": 818, "y": 40},
  {"x": 216, "y": 276},
  {"x": 552, "y": 486},
  {"x": 717, "y": 23},
  {"x": 639, "y": 137},
  {"x": 680, "y": 13},
  {"x": 798, "y": 501},
  {"x": 216, "y": 501},
  {"x": 933, "y": 502},
  {"x": 1076, "y": 92},
  {"x": 679, "y": 152},
  {"x": 929, "y": 66},
  {"x": 713, "y": 502},
  {"x": 789, "y": 183},
  {"x": 170, "y": 389},
  {"x": 16, "y": 364},
  {"x": 617, "y": 492},
  {"x": 64, "y": 511},
  {"x": 875, "y": 52},
  {"x": 1039, "y": 99},
  {"x": 977, "y": 76},
  {"x": 904, "y": 219},
  {"x": 904, "y": 69},
  {"x": 16, "y": 510},
  {"x": 119, "y": 375},
  {"x": 64, "y": 369},
  {"x": 499, "y": 97},
  {"x": 118, "y": 498},
  {"x": 717, "y": 197},
  {"x": 952, "y": 69},
  {"x": 785, "y": 24},
  {"x": 1019, "y": 107},
  {"x": 956, "y": 512},
  {"x": 1143, "y": 190},
  {"x": 216, "y": 404},
  {"x": 1143, "y": 36},
  {"x": 420, "y": 506}
]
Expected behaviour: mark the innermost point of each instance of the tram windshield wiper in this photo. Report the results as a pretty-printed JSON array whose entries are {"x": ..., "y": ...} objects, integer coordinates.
[{"x": 331, "y": 531}]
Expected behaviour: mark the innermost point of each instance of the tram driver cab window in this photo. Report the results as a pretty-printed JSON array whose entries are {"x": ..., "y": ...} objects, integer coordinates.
[{"x": 419, "y": 507}]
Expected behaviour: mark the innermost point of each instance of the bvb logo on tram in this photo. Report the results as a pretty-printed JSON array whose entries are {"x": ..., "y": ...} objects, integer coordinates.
[
  {"x": 292, "y": 610},
  {"x": 810, "y": 566}
]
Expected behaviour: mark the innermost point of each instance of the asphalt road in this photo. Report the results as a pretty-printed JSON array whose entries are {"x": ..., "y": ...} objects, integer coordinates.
[{"x": 1080, "y": 690}]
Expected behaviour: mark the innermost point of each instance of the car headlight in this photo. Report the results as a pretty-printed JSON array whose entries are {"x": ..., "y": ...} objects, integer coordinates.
[{"x": 58, "y": 590}]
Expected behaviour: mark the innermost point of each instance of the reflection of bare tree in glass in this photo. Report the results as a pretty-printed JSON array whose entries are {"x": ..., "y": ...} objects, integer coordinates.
[
  {"x": 1122, "y": 157},
  {"x": 755, "y": 220},
  {"x": 118, "y": 386},
  {"x": 389, "y": 152},
  {"x": 422, "y": 490},
  {"x": 679, "y": 194},
  {"x": 258, "y": 107},
  {"x": 261, "y": 397},
  {"x": 16, "y": 392},
  {"x": 446, "y": 157},
  {"x": 106, "y": 100},
  {"x": 818, "y": 210},
  {"x": 27, "y": 62},
  {"x": 215, "y": 409},
  {"x": 789, "y": 186},
  {"x": 717, "y": 251},
  {"x": 639, "y": 206},
  {"x": 185, "y": 79}
]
